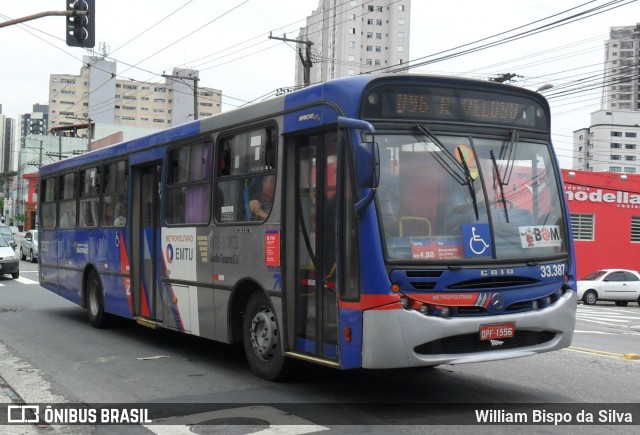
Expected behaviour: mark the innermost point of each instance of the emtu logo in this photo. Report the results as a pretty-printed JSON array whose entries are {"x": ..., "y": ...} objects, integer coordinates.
[{"x": 169, "y": 253}]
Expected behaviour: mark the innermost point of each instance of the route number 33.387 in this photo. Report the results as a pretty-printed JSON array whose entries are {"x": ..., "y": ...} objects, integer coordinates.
[{"x": 551, "y": 270}]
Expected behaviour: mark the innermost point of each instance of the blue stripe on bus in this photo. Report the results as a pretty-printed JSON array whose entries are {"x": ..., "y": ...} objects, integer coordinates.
[{"x": 343, "y": 94}]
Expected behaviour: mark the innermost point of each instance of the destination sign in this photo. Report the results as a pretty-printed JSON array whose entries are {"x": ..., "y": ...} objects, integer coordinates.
[{"x": 455, "y": 105}]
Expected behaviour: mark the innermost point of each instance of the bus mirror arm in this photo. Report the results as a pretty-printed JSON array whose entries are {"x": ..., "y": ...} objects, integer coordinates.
[
  {"x": 361, "y": 205},
  {"x": 367, "y": 161}
]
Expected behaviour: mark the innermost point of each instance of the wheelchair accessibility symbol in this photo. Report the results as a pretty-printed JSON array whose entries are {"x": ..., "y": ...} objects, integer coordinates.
[{"x": 477, "y": 239}]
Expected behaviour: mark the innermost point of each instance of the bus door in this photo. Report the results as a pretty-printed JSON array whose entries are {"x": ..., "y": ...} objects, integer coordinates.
[
  {"x": 314, "y": 236},
  {"x": 146, "y": 258}
]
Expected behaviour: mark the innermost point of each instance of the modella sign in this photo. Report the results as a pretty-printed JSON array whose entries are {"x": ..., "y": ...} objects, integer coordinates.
[{"x": 598, "y": 195}]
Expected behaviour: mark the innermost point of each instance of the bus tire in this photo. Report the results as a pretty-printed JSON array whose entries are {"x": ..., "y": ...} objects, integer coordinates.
[
  {"x": 262, "y": 339},
  {"x": 95, "y": 301}
]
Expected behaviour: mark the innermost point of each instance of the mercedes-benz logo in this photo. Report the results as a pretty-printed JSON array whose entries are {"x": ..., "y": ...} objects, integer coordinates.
[{"x": 497, "y": 301}]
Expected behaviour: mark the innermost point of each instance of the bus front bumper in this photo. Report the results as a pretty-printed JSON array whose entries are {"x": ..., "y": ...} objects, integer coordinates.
[{"x": 407, "y": 338}]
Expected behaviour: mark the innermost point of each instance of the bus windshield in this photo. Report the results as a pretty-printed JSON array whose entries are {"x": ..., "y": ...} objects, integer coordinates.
[{"x": 444, "y": 198}]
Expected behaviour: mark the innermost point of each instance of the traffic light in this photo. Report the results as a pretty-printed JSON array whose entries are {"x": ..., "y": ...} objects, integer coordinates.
[{"x": 81, "y": 28}]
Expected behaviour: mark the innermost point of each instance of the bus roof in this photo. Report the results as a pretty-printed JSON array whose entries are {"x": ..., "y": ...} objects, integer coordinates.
[{"x": 343, "y": 94}]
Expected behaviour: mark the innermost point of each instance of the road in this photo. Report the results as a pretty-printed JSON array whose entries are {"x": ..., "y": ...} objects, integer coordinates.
[{"x": 50, "y": 354}]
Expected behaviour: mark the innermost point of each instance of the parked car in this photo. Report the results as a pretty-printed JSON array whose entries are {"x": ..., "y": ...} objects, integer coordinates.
[
  {"x": 8, "y": 261},
  {"x": 618, "y": 285},
  {"x": 29, "y": 246},
  {"x": 6, "y": 232}
]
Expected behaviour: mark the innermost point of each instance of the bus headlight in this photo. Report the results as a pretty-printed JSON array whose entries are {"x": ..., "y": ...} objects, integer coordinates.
[{"x": 404, "y": 301}]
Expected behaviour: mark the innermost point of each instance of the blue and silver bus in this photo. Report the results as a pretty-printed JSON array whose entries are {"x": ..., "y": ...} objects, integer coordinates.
[{"x": 366, "y": 222}]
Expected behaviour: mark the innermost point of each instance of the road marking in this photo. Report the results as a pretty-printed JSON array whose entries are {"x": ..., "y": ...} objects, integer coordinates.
[
  {"x": 606, "y": 316},
  {"x": 605, "y": 332},
  {"x": 283, "y": 423},
  {"x": 626, "y": 356},
  {"x": 610, "y": 319},
  {"x": 23, "y": 280}
]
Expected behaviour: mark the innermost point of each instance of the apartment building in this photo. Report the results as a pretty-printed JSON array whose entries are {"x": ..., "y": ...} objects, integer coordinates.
[
  {"x": 611, "y": 142},
  {"x": 36, "y": 122},
  {"x": 97, "y": 94},
  {"x": 622, "y": 55},
  {"x": 354, "y": 37}
]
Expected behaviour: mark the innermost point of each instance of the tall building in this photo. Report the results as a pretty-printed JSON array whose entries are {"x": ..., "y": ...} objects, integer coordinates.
[
  {"x": 36, "y": 122},
  {"x": 622, "y": 56},
  {"x": 98, "y": 95},
  {"x": 7, "y": 133},
  {"x": 611, "y": 143},
  {"x": 353, "y": 37}
]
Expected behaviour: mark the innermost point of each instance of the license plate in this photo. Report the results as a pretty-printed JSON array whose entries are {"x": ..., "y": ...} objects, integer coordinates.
[{"x": 497, "y": 331}]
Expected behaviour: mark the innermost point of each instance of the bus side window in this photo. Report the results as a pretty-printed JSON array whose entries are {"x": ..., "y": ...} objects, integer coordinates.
[
  {"x": 188, "y": 184},
  {"x": 114, "y": 196},
  {"x": 246, "y": 176},
  {"x": 48, "y": 190},
  {"x": 67, "y": 201}
]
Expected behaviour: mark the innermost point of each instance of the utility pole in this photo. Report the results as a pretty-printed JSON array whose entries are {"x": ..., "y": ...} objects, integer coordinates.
[
  {"x": 195, "y": 90},
  {"x": 306, "y": 59}
]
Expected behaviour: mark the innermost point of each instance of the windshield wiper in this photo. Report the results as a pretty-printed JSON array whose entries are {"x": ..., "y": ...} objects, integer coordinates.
[
  {"x": 451, "y": 165},
  {"x": 510, "y": 156},
  {"x": 500, "y": 183},
  {"x": 464, "y": 167},
  {"x": 472, "y": 189}
]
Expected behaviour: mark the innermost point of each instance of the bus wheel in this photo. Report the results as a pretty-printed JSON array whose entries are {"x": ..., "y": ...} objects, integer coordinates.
[
  {"x": 261, "y": 338},
  {"x": 95, "y": 301},
  {"x": 590, "y": 298}
]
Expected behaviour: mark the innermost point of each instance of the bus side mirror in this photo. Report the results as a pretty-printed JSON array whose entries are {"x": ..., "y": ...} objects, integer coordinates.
[{"x": 368, "y": 165}]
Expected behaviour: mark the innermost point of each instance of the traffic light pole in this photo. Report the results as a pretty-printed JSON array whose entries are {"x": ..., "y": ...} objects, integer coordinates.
[{"x": 42, "y": 15}]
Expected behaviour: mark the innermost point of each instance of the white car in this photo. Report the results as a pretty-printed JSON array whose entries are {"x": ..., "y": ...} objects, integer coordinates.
[
  {"x": 9, "y": 263},
  {"x": 29, "y": 246},
  {"x": 618, "y": 285}
]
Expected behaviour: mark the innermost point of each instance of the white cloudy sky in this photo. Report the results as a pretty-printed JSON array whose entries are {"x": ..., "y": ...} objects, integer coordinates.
[{"x": 228, "y": 42}]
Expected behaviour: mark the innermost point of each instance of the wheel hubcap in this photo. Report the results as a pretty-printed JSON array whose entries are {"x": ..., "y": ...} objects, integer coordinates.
[{"x": 264, "y": 334}]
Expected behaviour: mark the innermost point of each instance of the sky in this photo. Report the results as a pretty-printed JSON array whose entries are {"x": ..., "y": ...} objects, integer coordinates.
[{"x": 228, "y": 42}]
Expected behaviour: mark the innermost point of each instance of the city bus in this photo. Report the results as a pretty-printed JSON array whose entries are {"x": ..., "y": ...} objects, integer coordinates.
[{"x": 375, "y": 221}]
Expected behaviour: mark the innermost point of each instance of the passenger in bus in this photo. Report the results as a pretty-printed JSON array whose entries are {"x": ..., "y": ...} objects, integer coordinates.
[
  {"x": 120, "y": 219},
  {"x": 261, "y": 197}
]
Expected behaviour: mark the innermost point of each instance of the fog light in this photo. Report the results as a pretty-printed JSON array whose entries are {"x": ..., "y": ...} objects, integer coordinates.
[
  {"x": 547, "y": 300},
  {"x": 424, "y": 309},
  {"x": 404, "y": 301},
  {"x": 446, "y": 312},
  {"x": 535, "y": 305}
]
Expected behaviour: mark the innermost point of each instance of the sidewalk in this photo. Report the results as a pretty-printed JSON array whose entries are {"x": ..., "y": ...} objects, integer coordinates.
[{"x": 22, "y": 383}]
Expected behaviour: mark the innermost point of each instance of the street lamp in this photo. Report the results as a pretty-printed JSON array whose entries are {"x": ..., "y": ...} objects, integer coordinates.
[{"x": 544, "y": 87}]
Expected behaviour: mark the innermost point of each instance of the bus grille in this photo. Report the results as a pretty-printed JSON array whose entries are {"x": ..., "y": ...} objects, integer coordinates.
[
  {"x": 470, "y": 343},
  {"x": 491, "y": 283}
]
